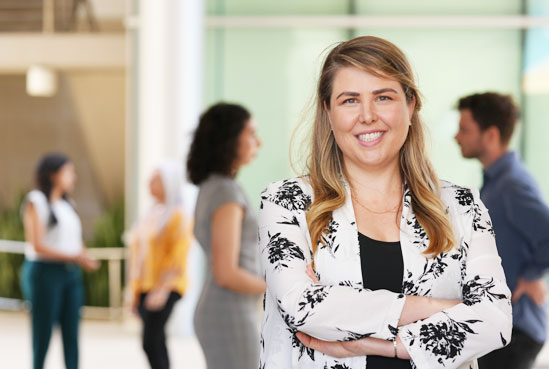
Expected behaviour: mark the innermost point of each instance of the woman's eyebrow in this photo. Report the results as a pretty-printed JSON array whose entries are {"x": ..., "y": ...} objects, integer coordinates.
[
  {"x": 348, "y": 93},
  {"x": 384, "y": 90}
]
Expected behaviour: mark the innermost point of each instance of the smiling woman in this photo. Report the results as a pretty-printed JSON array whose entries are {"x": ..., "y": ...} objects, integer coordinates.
[
  {"x": 406, "y": 272},
  {"x": 379, "y": 106}
]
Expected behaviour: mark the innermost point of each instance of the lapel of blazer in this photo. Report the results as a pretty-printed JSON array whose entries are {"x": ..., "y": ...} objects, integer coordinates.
[
  {"x": 347, "y": 235},
  {"x": 348, "y": 213},
  {"x": 412, "y": 233}
]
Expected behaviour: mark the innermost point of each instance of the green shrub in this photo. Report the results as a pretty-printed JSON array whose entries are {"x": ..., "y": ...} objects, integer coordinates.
[
  {"x": 107, "y": 232},
  {"x": 11, "y": 228},
  {"x": 109, "y": 227}
]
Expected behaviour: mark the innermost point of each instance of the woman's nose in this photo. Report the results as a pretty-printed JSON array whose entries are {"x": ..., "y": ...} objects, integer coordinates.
[{"x": 367, "y": 113}]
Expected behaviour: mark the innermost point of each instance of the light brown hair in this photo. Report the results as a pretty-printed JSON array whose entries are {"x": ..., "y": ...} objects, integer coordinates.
[{"x": 325, "y": 162}]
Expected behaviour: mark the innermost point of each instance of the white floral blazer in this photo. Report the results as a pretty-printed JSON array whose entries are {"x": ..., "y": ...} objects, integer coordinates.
[{"x": 340, "y": 309}]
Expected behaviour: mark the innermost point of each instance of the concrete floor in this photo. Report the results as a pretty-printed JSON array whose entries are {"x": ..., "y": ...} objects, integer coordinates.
[
  {"x": 103, "y": 345},
  {"x": 108, "y": 345}
]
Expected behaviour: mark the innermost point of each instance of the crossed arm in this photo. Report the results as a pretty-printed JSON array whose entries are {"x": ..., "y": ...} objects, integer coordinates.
[
  {"x": 415, "y": 308},
  {"x": 349, "y": 321}
]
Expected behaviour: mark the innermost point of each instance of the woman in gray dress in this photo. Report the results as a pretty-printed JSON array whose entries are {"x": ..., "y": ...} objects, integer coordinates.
[{"x": 226, "y": 317}]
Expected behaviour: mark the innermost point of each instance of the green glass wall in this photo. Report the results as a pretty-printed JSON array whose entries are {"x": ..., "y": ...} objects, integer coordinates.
[
  {"x": 273, "y": 72},
  {"x": 536, "y": 97}
]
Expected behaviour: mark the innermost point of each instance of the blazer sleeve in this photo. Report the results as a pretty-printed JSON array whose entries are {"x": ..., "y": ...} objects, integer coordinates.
[
  {"x": 328, "y": 312},
  {"x": 482, "y": 322}
]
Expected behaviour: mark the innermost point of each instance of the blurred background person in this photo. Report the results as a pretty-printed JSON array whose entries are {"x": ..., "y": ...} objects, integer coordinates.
[
  {"x": 52, "y": 273},
  {"x": 159, "y": 246},
  {"x": 226, "y": 317},
  {"x": 520, "y": 218}
]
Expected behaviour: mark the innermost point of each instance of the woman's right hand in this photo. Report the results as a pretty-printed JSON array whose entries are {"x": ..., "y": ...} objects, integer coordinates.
[
  {"x": 87, "y": 262},
  {"x": 421, "y": 307},
  {"x": 311, "y": 274}
]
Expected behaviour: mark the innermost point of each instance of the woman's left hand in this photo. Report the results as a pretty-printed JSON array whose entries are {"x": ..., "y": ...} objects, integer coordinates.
[
  {"x": 156, "y": 299},
  {"x": 364, "y": 346},
  {"x": 334, "y": 349}
]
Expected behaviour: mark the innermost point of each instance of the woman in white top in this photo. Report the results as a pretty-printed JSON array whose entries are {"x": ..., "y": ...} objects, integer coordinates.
[
  {"x": 406, "y": 271},
  {"x": 51, "y": 275}
]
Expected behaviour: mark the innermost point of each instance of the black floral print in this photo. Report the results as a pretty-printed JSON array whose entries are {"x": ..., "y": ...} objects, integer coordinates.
[
  {"x": 289, "y": 195},
  {"x": 407, "y": 202},
  {"x": 446, "y": 339},
  {"x": 292, "y": 327},
  {"x": 420, "y": 240},
  {"x": 328, "y": 238},
  {"x": 463, "y": 250},
  {"x": 503, "y": 340},
  {"x": 290, "y": 320},
  {"x": 353, "y": 336},
  {"x": 317, "y": 274},
  {"x": 479, "y": 224},
  {"x": 302, "y": 348},
  {"x": 433, "y": 269},
  {"x": 281, "y": 250},
  {"x": 336, "y": 366},
  {"x": 313, "y": 296},
  {"x": 464, "y": 196},
  {"x": 476, "y": 290},
  {"x": 393, "y": 330},
  {"x": 357, "y": 286},
  {"x": 292, "y": 221}
]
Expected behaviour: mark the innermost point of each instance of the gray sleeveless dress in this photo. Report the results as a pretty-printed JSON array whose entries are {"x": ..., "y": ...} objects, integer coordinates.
[{"x": 226, "y": 322}]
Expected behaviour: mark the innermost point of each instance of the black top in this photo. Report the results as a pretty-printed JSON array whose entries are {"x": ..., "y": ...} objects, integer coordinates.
[{"x": 382, "y": 268}]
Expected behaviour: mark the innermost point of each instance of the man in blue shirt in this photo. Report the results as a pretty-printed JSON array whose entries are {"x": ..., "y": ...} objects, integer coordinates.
[{"x": 520, "y": 219}]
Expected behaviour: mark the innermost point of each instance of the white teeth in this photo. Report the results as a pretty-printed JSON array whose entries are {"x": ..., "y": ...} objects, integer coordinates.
[{"x": 370, "y": 136}]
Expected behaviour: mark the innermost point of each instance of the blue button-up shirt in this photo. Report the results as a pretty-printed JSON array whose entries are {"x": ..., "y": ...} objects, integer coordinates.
[{"x": 521, "y": 222}]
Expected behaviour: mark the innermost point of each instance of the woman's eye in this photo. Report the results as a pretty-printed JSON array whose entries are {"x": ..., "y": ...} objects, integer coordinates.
[
  {"x": 384, "y": 98},
  {"x": 349, "y": 101}
]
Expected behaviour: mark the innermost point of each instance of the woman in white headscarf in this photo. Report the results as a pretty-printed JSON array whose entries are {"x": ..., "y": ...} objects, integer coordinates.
[{"x": 159, "y": 245}]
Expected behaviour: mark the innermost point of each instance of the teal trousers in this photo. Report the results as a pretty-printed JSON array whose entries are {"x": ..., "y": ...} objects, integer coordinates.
[{"x": 55, "y": 292}]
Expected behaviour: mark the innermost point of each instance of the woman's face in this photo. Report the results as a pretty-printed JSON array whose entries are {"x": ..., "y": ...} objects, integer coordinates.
[
  {"x": 248, "y": 144},
  {"x": 65, "y": 178},
  {"x": 370, "y": 117},
  {"x": 156, "y": 187}
]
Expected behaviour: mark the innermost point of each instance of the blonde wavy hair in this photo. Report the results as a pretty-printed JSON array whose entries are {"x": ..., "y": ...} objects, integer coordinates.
[{"x": 325, "y": 161}]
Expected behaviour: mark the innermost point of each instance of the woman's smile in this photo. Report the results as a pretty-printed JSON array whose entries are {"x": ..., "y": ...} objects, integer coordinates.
[{"x": 370, "y": 138}]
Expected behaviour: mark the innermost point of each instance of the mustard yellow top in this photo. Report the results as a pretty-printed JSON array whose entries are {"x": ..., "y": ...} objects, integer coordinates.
[{"x": 165, "y": 252}]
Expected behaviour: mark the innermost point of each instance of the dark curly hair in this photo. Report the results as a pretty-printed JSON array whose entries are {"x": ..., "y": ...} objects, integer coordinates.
[
  {"x": 215, "y": 143},
  {"x": 492, "y": 109}
]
